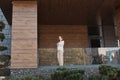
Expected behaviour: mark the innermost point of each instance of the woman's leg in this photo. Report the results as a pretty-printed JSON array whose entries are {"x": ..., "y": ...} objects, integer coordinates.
[
  {"x": 61, "y": 58},
  {"x": 58, "y": 57}
]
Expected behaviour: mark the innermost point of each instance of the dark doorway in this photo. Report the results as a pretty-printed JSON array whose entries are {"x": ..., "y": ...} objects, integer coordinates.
[
  {"x": 94, "y": 36},
  {"x": 95, "y": 43}
]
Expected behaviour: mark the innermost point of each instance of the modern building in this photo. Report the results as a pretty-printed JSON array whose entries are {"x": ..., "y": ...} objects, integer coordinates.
[{"x": 36, "y": 24}]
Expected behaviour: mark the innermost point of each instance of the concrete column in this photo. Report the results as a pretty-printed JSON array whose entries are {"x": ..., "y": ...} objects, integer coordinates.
[
  {"x": 24, "y": 35},
  {"x": 99, "y": 22},
  {"x": 117, "y": 17}
]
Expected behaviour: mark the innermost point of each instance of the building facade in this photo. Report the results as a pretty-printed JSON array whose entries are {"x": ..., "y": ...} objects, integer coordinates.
[{"x": 36, "y": 25}]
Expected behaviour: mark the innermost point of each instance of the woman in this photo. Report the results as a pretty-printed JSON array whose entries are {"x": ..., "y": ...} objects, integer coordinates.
[{"x": 60, "y": 50}]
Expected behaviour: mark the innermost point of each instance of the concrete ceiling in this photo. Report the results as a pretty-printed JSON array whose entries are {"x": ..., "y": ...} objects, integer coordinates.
[{"x": 60, "y": 12}]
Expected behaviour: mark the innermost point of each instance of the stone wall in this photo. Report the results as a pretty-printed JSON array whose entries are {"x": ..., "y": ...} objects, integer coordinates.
[
  {"x": 72, "y": 56},
  {"x": 47, "y": 71},
  {"x": 24, "y": 34},
  {"x": 75, "y": 36}
]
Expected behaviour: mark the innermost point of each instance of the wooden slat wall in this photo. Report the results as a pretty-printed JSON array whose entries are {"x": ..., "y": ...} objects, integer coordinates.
[
  {"x": 24, "y": 35},
  {"x": 75, "y": 36}
]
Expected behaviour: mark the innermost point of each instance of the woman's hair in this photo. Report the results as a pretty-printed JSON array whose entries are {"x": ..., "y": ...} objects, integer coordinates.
[{"x": 61, "y": 37}]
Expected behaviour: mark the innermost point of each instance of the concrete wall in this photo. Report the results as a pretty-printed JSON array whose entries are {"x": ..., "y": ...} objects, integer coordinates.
[
  {"x": 109, "y": 39},
  {"x": 24, "y": 34}
]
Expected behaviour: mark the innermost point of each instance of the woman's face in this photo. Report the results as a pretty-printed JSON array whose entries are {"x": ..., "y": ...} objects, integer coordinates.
[{"x": 60, "y": 38}]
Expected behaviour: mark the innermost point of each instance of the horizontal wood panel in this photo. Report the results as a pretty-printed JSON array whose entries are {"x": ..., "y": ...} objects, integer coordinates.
[
  {"x": 24, "y": 35},
  {"x": 73, "y": 35}
]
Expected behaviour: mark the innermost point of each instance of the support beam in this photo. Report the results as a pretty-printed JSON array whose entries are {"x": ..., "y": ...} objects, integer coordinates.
[
  {"x": 24, "y": 35},
  {"x": 118, "y": 22}
]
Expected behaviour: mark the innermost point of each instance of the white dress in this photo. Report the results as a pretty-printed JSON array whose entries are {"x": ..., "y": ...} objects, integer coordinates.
[
  {"x": 60, "y": 51},
  {"x": 60, "y": 46}
]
